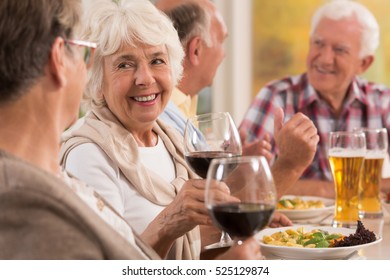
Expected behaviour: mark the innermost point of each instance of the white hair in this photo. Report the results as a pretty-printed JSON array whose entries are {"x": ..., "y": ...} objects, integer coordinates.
[
  {"x": 339, "y": 9},
  {"x": 111, "y": 24}
]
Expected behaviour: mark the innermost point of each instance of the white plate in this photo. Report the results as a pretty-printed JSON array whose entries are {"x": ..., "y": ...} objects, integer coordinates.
[
  {"x": 310, "y": 253},
  {"x": 299, "y": 214}
]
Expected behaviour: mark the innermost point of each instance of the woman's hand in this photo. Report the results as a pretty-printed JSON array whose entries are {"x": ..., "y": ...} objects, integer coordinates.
[
  {"x": 188, "y": 209},
  {"x": 185, "y": 212},
  {"x": 249, "y": 249}
]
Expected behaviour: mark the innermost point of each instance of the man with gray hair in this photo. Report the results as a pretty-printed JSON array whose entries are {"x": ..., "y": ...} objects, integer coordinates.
[
  {"x": 202, "y": 32},
  {"x": 343, "y": 38}
]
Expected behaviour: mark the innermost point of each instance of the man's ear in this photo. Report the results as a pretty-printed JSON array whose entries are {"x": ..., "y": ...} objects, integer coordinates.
[
  {"x": 57, "y": 62},
  {"x": 194, "y": 49},
  {"x": 365, "y": 63}
]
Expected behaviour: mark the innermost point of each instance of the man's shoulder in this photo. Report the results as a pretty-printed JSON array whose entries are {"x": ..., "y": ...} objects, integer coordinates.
[
  {"x": 30, "y": 190},
  {"x": 19, "y": 174},
  {"x": 173, "y": 117},
  {"x": 371, "y": 87}
]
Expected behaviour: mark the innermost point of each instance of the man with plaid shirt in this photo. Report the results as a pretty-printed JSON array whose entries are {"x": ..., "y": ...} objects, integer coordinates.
[{"x": 343, "y": 39}]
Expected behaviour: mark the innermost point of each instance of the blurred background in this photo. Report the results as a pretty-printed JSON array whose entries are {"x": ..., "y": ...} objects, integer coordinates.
[{"x": 268, "y": 39}]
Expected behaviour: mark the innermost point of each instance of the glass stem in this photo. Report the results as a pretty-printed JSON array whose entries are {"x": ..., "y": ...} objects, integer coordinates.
[{"x": 225, "y": 238}]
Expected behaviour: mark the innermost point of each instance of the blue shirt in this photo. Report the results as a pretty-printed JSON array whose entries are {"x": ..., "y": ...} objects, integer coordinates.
[{"x": 174, "y": 117}]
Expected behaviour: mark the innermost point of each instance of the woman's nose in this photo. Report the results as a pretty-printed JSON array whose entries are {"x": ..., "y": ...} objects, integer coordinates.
[{"x": 144, "y": 76}]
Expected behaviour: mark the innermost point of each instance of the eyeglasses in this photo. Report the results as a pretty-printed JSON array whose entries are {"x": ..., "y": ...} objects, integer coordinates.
[{"x": 89, "y": 49}]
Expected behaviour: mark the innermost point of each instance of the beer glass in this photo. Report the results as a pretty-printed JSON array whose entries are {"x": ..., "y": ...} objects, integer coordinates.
[
  {"x": 376, "y": 150},
  {"x": 346, "y": 157}
]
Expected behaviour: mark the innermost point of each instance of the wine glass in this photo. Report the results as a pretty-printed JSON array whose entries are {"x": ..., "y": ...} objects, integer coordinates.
[
  {"x": 252, "y": 200},
  {"x": 210, "y": 136}
]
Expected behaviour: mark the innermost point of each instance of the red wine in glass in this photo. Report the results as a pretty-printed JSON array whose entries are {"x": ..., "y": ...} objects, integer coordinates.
[
  {"x": 252, "y": 200},
  {"x": 241, "y": 220},
  {"x": 200, "y": 161}
]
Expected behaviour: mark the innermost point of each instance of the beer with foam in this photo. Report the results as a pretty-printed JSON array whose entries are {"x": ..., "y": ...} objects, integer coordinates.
[
  {"x": 377, "y": 145},
  {"x": 346, "y": 158}
]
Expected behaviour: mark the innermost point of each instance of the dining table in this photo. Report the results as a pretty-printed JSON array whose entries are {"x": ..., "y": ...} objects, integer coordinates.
[{"x": 381, "y": 227}]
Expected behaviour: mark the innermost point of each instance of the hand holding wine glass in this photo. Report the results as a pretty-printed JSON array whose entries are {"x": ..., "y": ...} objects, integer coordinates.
[{"x": 250, "y": 182}]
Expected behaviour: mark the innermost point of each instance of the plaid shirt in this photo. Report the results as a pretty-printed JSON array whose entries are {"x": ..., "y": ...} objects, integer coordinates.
[{"x": 367, "y": 105}]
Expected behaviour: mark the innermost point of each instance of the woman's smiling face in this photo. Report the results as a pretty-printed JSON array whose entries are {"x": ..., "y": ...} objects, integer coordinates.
[{"x": 137, "y": 84}]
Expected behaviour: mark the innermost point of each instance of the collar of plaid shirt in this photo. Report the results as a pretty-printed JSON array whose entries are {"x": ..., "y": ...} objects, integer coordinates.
[{"x": 310, "y": 95}]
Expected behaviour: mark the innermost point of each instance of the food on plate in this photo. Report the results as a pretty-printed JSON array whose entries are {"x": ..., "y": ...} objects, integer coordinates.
[
  {"x": 361, "y": 236},
  {"x": 318, "y": 238},
  {"x": 298, "y": 203},
  {"x": 299, "y": 238}
]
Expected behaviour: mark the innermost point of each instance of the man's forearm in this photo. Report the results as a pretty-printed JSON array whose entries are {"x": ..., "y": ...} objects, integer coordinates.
[{"x": 284, "y": 177}]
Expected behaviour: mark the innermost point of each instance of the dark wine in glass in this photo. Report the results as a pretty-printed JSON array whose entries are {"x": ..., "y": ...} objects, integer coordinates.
[
  {"x": 242, "y": 219},
  {"x": 250, "y": 182},
  {"x": 200, "y": 161},
  {"x": 210, "y": 136}
]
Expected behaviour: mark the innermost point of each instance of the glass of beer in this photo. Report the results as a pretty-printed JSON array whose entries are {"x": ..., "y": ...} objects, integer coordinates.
[
  {"x": 376, "y": 150},
  {"x": 346, "y": 157}
]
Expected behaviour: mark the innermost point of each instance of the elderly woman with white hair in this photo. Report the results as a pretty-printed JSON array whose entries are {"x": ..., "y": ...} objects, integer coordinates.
[{"x": 122, "y": 150}]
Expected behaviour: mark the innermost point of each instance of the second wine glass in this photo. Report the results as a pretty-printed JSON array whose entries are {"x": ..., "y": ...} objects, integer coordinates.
[{"x": 253, "y": 195}]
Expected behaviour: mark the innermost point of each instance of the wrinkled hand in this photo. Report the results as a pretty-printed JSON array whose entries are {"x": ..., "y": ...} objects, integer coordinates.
[
  {"x": 296, "y": 140},
  {"x": 280, "y": 220},
  {"x": 259, "y": 147},
  {"x": 248, "y": 250},
  {"x": 188, "y": 209}
]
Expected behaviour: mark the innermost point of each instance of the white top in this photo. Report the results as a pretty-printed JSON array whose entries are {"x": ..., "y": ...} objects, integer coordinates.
[
  {"x": 86, "y": 193},
  {"x": 90, "y": 164}
]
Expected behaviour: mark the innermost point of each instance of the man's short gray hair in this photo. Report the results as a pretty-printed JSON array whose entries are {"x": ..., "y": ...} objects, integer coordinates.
[
  {"x": 339, "y": 9},
  {"x": 191, "y": 19}
]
